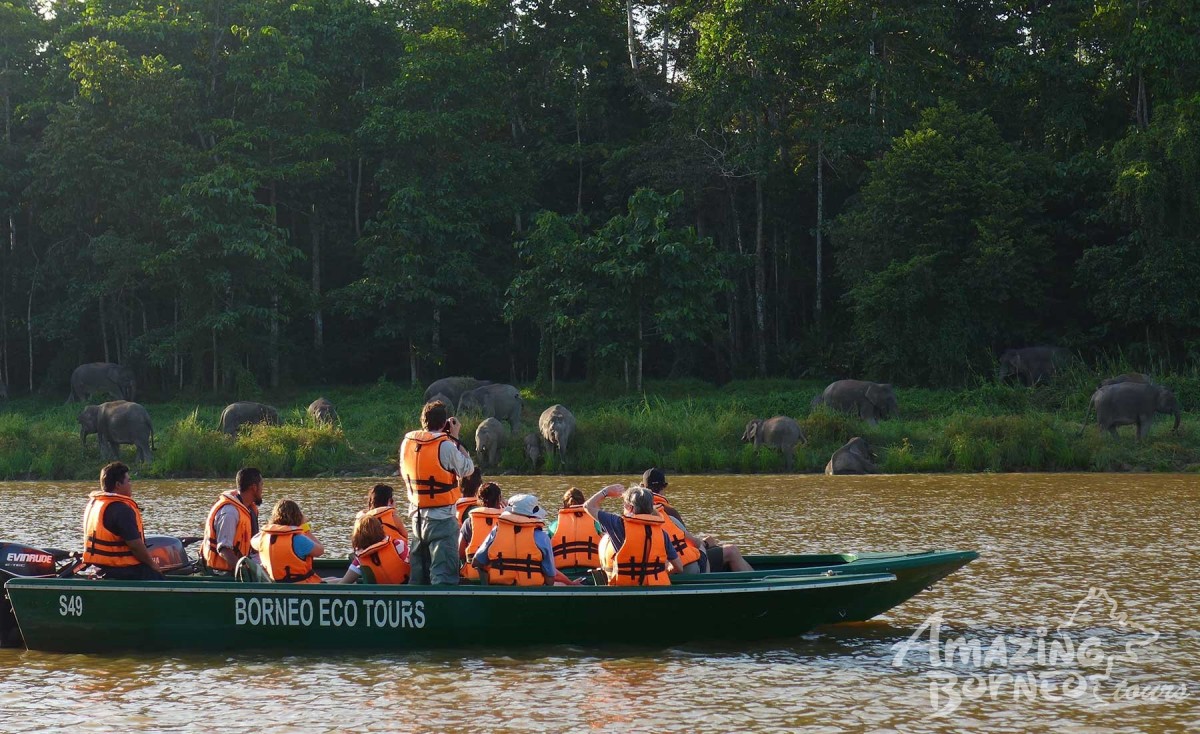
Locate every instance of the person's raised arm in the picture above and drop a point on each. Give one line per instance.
(592, 506)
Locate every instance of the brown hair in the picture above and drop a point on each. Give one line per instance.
(367, 532)
(471, 482)
(379, 496)
(489, 495)
(287, 512)
(113, 474)
(434, 416)
(573, 496)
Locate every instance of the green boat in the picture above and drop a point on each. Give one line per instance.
(199, 613)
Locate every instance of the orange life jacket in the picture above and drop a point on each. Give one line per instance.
(688, 551)
(429, 483)
(513, 557)
(393, 526)
(642, 558)
(385, 562)
(576, 543)
(279, 559)
(483, 519)
(100, 546)
(463, 506)
(241, 534)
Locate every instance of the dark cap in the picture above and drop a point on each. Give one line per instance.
(654, 478)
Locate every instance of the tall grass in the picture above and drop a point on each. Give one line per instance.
(683, 426)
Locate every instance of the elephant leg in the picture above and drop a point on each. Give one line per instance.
(1143, 429)
(1112, 431)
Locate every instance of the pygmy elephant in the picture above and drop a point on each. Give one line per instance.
(1032, 365)
(452, 388)
(115, 423)
(238, 414)
(1132, 403)
(489, 438)
(780, 432)
(97, 377)
(557, 426)
(533, 449)
(322, 412)
(855, 457)
(502, 402)
(871, 401)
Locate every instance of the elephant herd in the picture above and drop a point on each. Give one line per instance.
(500, 406)
(124, 422)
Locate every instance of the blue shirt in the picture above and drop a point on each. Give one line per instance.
(540, 539)
(614, 525)
(302, 546)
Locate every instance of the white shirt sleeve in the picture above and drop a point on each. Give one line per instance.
(455, 458)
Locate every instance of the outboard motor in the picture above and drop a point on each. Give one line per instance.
(168, 554)
(26, 562)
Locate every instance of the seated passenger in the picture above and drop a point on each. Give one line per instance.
(113, 538)
(699, 555)
(385, 559)
(517, 552)
(477, 524)
(381, 504)
(641, 554)
(573, 534)
(285, 548)
(470, 495)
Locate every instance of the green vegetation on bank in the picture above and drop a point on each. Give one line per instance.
(683, 425)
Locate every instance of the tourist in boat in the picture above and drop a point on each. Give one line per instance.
(517, 551)
(285, 546)
(470, 495)
(232, 522)
(381, 504)
(113, 538)
(384, 558)
(699, 555)
(432, 463)
(573, 534)
(650, 557)
(478, 523)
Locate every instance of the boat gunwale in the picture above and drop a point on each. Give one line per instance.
(765, 585)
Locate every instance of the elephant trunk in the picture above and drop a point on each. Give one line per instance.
(1178, 415)
(83, 434)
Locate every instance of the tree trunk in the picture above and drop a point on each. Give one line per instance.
(216, 375)
(29, 329)
(760, 279)
(666, 38)
(640, 353)
(412, 363)
(318, 315)
(103, 330)
(631, 35)
(552, 360)
(578, 152)
(274, 359)
(818, 309)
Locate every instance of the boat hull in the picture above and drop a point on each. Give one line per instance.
(73, 615)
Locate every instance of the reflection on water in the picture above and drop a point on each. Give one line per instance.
(1045, 541)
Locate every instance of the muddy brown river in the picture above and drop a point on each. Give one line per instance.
(1081, 615)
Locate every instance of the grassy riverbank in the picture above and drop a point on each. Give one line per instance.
(685, 426)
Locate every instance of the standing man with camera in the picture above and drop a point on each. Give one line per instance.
(432, 465)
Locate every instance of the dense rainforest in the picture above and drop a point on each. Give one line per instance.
(235, 195)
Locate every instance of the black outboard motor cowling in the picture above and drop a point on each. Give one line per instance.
(25, 561)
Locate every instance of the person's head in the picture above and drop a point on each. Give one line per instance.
(367, 532)
(655, 480)
(573, 497)
(114, 478)
(287, 512)
(434, 416)
(638, 501)
(472, 482)
(489, 495)
(526, 505)
(381, 495)
(250, 484)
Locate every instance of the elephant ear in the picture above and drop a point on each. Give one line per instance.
(877, 395)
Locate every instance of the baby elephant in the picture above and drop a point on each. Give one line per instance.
(853, 458)
(322, 412)
(489, 438)
(533, 449)
(780, 432)
(236, 415)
